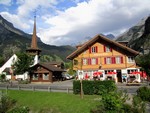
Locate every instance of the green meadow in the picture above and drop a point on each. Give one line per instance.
(52, 102)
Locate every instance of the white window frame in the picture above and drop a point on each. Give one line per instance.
(93, 61)
(93, 49)
(108, 60)
(45, 76)
(118, 60)
(108, 49)
(35, 76)
(85, 61)
(131, 59)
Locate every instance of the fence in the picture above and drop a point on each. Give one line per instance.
(38, 88)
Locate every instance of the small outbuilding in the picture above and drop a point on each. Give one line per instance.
(45, 73)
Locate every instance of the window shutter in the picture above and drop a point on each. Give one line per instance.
(113, 60)
(90, 50)
(90, 61)
(96, 49)
(121, 59)
(96, 60)
(110, 49)
(105, 60)
(104, 48)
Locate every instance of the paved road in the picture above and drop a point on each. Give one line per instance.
(66, 84)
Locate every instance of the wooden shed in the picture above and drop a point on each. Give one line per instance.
(45, 73)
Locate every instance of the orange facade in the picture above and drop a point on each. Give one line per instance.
(101, 54)
(118, 60)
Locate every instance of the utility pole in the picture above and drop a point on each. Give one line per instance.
(81, 88)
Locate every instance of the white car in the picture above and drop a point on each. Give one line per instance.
(66, 76)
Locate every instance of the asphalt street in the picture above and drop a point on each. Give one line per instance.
(62, 85)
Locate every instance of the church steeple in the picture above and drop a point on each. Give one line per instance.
(34, 50)
(34, 38)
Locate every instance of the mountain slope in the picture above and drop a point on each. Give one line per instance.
(13, 40)
(138, 36)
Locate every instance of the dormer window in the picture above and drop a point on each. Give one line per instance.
(93, 49)
(107, 49)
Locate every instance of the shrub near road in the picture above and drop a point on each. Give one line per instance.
(93, 87)
(144, 93)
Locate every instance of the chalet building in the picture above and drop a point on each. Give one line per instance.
(45, 73)
(103, 58)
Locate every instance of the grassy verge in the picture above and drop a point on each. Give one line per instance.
(46, 102)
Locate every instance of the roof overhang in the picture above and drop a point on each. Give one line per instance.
(100, 38)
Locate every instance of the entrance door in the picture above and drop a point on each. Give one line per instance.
(40, 77)
(119, 76)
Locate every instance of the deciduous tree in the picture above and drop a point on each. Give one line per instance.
(23, 63)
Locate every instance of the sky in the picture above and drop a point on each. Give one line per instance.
(69, 22)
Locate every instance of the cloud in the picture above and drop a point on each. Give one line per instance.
(17, 22)
(91, 18)
(5, 2)
(23, 16)
(28, 7)
(85, 18)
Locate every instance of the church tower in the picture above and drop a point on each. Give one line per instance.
(34, 50)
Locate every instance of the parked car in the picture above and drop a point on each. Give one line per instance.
(66, 76)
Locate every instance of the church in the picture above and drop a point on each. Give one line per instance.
(46, 72)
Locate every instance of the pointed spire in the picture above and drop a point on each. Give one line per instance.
(34, 50)
(34, 38)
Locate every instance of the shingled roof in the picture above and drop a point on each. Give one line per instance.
(49, 67)
(101, 38)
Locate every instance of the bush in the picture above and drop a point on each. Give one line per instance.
(114, 102)
(2, 77)
(93, 87)
(144, 93)
(6, 103)
(76, 87)
(23, 81)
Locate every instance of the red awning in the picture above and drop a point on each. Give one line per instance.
(135, 73)
(97, 73)
(112, 73)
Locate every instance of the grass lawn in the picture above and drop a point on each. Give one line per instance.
(52, 102)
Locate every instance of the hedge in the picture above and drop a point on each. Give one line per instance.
(93, 87)
(144, 93)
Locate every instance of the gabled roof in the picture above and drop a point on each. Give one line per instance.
(9, 62)
(53, 63)
(49, 67)
(101, 38)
